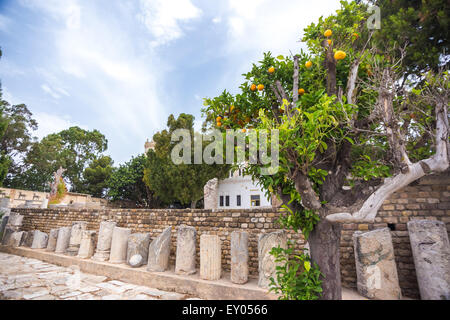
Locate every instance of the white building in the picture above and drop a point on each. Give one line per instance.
(235, 192)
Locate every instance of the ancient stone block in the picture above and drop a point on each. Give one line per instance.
(75, 237)
(40, 240)
(16, 239)
(15, 221)
(53, 236)
(210, 191)
(62, 242)
(239, 257)
(186, 251)
(137, 249)
(266, 266)
(104, 240)
(431, 251)
(7, 233)
(27, 239)
(375, 265)
(119, 244)
(3, 224)
(210, 257)
(87, 244)
(159, 251)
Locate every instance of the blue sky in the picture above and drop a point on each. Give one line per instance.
(123, 67)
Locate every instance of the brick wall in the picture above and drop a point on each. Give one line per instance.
(428, 198)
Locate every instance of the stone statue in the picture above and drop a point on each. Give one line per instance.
(57, 177)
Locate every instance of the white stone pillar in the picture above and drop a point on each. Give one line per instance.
(87, 244)
(62, 243)
(75, 237)
(375, 265)
(267, 265)
(159, 251)
(16, 239)
(210, 192)
(52, 238)
(431, 251)
(40, 240)
(137, 249)
(104, 241)
(239, 257)
(186, 250)
(210, 257)
(119, 244)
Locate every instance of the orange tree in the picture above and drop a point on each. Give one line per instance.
(347, 131)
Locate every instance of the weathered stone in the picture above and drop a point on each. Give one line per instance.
(104, 241)
(4, 202)
(15, 221)
(159, 251)
(40, 240)
(210, 192)
(87, 244)
(119, 244)
(431, 251)
(27, 239)
(62, 242)
(3, 224)
(267, 265)
(7, 233)
(239, 257)
(186, 251)
(16, 239)
(210, 257)
(375, 265)
(75, 237)
(53, 236)
(137, 249)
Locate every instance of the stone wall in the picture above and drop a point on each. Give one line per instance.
(219, 222)
(428, 198)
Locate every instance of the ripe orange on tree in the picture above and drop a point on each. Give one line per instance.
(260, 87)
(308, 64)
(328, 33)
(301, 91)
(253, 87)
(218, 119)
(329, 42)
(339, 55)
(271, 70)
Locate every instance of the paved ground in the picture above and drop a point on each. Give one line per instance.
(31, 279)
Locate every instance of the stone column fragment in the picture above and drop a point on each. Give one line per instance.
(87, 244)
(375, 265)
(16, 239)
(137, 249)
(62, 242)
(53, 236)
(27, 239)
(210, 257)
(75, 237)
(159, 251)
(186, 251)
(104, 241)
(40, 240)
(15, 221)
(239, 257)
(267, 265)
(119, 244)
(431, 251)
(7, 235)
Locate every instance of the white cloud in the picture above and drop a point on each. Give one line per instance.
(48, 90)
(4, 23)
(163, 18)
(217, 20)
(51, 123)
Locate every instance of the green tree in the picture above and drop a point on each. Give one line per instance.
(73, 149)
(126, 183)
(96, 175)
(4, 159)
(349, 129)
(181, 183)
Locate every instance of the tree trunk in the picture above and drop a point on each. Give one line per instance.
(324, 244)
